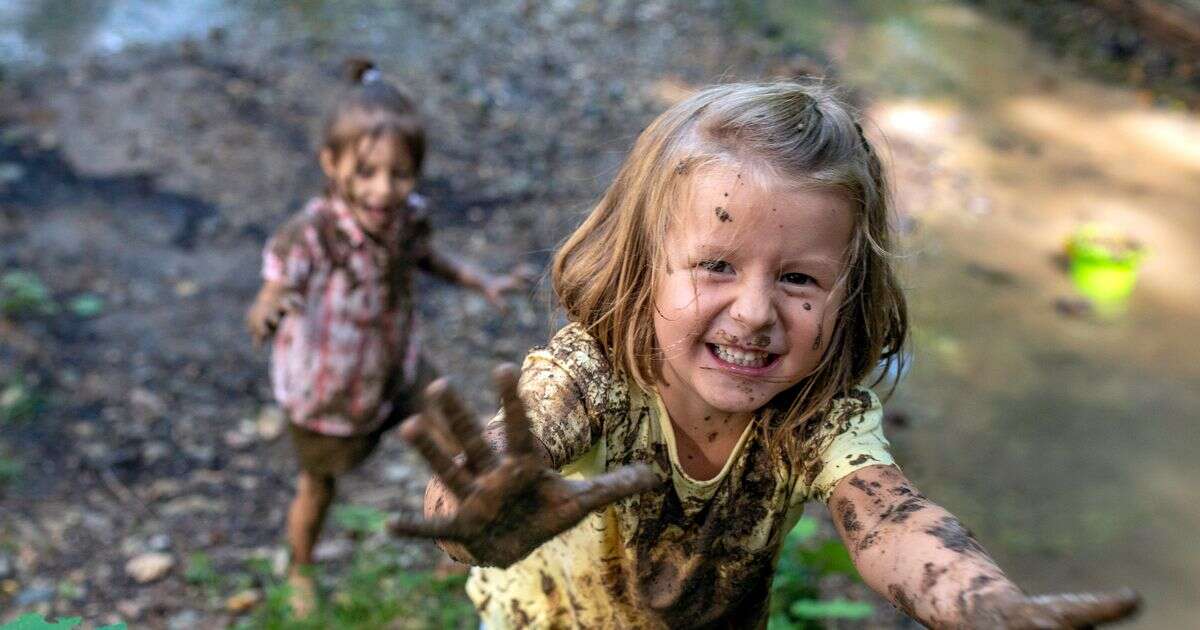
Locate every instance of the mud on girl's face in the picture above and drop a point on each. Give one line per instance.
(373, 175)
(746, 306)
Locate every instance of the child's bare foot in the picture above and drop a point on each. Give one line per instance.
(303, 597)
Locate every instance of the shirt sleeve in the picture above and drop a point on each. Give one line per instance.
(564, 388)
(858, 442)
(420, 228)
(288, 255)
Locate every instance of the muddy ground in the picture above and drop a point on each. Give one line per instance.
(151, 177)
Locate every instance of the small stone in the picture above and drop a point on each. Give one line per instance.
(333, 550)
(9, 587)
(130, 609)
(34, 595)
(147, 403)
(6, 566)
(186, 288)
(243, 601)
(148, 567)
(11, 173)
(159, 542)
(270, 422)
(237, 440)
(184, 620)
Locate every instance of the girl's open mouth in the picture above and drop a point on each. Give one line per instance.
(741, 360)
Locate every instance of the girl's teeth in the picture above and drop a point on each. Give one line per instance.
(741, 357)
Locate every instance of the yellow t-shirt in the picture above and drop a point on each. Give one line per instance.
(692, 553)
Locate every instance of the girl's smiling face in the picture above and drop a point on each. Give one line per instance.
(374, 176)
(746, 305)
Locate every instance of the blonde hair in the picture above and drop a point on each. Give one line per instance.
(605, 275)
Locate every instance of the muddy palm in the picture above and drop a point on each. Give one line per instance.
(509, 501)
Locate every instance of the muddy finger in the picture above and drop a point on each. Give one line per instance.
(462, 425)
(413, 527)
(516, 422)
(1079, 610)
(418, 432)
(613, 486)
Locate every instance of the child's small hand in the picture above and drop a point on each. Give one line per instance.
(1082, 610)
(494, 287)
(509, 501)
(272, 303)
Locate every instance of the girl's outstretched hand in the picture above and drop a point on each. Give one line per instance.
(1081, 610)
(509, 500)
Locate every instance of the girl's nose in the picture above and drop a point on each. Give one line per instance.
(753, 307)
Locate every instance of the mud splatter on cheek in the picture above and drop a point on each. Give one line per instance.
(807, 306)
(820, 334)
(760, 341)
(723, 214)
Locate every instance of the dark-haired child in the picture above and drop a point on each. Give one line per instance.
(346, 362)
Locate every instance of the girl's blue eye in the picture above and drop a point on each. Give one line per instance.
(714, 266)
(798, 279)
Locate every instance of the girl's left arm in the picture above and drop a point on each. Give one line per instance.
(929, 565)
(466, 275)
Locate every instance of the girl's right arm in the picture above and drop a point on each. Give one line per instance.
(500, 500)
(274, 299)
(288, 259)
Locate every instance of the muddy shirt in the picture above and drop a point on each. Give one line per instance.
(335, 363)
(690, 554)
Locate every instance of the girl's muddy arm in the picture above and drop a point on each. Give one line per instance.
(508, 501)
(467, 275)
(921, 558)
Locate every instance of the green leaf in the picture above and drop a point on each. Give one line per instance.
(831, 609)
(200, 569)
(32, 621)
(831, 557)
(360, 518)
(22, 293)
(87, 305)
(805, 528)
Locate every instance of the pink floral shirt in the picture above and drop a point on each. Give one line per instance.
(336, 364)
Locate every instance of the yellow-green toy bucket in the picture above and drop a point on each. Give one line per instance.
(1104, 266)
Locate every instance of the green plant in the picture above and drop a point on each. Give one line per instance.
(22, 293)
(10, 468)
(375, 592)
(200, 571)
(18, 400)
(795, 593)
(86, 305)
(359, 519)
(33, 621)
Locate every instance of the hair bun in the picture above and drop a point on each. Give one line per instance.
(359, 70)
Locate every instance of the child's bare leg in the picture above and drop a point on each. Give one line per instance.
(306, 515)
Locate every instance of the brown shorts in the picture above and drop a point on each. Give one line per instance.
(332, 455)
